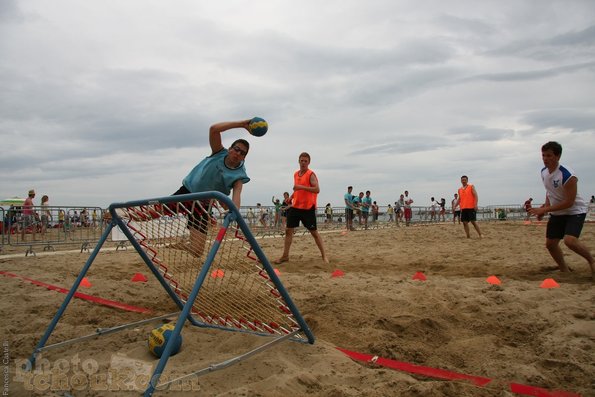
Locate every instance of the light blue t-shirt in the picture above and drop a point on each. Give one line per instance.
(356, 201)
(212, 174)
(368, 201)
(349, 199)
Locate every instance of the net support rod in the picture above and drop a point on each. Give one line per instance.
(77, 282)
(145, 258)
(186, 310)
(232, 361)
(271, 273)
(106, 331)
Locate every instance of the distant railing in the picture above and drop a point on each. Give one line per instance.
(52, 226)
(49, 226)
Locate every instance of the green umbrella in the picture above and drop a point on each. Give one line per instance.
(12, 201)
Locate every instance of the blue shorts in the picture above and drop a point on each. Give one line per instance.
(559, 226)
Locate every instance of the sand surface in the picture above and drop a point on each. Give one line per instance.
(515, 332)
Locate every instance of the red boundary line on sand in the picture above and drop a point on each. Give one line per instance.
(449, 375)
(80, 295)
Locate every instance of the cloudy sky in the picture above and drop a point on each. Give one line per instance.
(108, 101)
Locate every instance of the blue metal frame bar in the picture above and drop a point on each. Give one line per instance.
(185, 314)
(69, 296)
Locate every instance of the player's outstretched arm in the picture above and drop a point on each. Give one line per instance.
(216, 130)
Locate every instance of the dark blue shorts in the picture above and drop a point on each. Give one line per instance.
(559, 226)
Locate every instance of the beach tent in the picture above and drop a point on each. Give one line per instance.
(12, 201)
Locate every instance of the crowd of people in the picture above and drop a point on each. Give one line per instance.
(29, 219)
(360, 207)
(223, 170)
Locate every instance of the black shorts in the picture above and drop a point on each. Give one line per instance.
(457, 214)
(307, 217)
(468, 215)
(559, 226)
(197, 219)
(348, 214)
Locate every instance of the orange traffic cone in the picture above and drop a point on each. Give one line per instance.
(277, 272)
(85, 282)
(549, 283)
(493, 280)
(218, 273)
(337, 273)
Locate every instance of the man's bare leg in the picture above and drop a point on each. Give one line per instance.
(555, 251)
(286, 246)
(197, 242)
(577, 246)
(319, 243)
(476, 226)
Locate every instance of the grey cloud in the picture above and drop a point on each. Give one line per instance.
(10, 11)
(574, 44)
(534, 74)
(480, 133)
(585, 37)
(470, 26)
(400, 147)
(571, 119)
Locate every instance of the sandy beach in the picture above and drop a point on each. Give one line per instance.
(515, 332)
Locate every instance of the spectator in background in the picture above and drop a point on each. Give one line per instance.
(61, 217)
(357, 206)
(251, 216)
(262, 215)
(348, 198)
(374, 212)
(407, 201)
(433, 208)
(328, 211)
(399, 205)
(527, 207)
(442, 213)
(285, 207)
(46, 215)
(456, 209)
(277, 203)
(28, 215)
(366, 205)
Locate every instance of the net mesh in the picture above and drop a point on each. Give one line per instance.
(238, 293)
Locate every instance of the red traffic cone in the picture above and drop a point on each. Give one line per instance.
(419, 276)
(138, 277)
(493, 280)
(337, 273)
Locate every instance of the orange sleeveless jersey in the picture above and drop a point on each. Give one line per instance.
(466, 198)
(303, 199)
